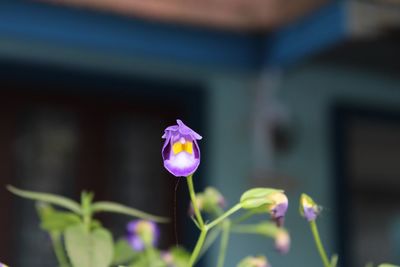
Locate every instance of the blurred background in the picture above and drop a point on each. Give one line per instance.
(297, 94)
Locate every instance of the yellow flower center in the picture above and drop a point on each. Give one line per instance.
(182, 146)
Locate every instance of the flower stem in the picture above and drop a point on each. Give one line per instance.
(194, 203)
(199, 218)
(224, 216)
(318, 243)
(224, 243)
(197, 248)
(58, 249)
(211, 237)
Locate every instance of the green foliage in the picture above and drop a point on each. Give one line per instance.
(387, 265)
(180, 257)
(89, 248)
(123, 253)
(60, 201)
(106, 206)
(52, 220)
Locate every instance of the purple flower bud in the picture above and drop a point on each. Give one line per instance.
(308, 208)
(282, 241)
(181, 153)
(279, 207)
(142, 234)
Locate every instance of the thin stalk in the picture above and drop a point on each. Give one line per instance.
(318, 243)
(198, 247)
(59, 250)
(193, 199)
(244, 217)
(224, 243)
(86, 200)
(211, 237)
(149, 254)
(252, 229)
(224, 216)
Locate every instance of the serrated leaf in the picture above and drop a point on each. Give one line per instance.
(106, 206)
(47, 198)
(89, 249)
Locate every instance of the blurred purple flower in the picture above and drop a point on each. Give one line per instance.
(181, 153)
(282, 241)
(142, 234)
(3, 265)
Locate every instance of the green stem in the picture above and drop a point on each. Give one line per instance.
(224, 216)
(197, 248)
(86, 200)
(58, 249)
(245, 217)
(253, 229)
(318, 243)
(224, 243)
(211, 237)
(194, 204)
(149, 254)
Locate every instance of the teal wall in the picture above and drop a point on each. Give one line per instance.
(309, 91)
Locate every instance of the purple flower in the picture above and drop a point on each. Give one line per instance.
(181, 153)
(142, 234)
(308, 208)
(3, 265)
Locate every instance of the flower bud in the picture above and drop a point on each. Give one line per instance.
(168, 258)
(259, 261)
(282, 241)
(210, 201)
(142, 234)
(308, 208)
(271, 200)
(278, 207)
(257, 198)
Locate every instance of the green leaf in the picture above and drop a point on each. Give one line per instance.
(257, 197)
(150, 258)
(387, 265)
(180, 256)
(89, 249)
(123, 252)
(52, 220)
(47, 198)
(106, 206)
